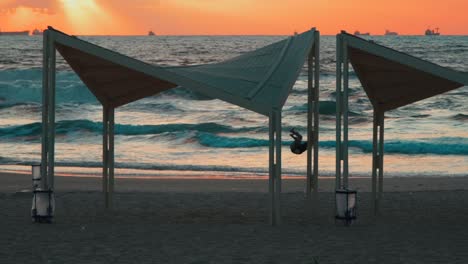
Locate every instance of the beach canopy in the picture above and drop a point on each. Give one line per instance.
(391, 79)
(259, 80)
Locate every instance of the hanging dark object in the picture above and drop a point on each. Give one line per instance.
(297, 146)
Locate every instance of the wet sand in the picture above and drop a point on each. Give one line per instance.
(423, 220)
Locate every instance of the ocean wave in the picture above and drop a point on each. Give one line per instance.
(328, 70)
(182, 92)
(162, 167)
(73, 126)
(151, 106)
(23, 74)
(215, 141)
(10, 105)
(22, 86)
(438, 146)
(325, 108)
(418, 147)
(421, 116)
(25, 85)
(460, 117)
(206, 134)
(252, 171)
(182, 167)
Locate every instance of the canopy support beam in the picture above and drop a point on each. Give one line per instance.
(48, 113)
(338, 113)
(377, 160)
(313, 119)
(275, 167)
(45, 109)
(111, 156)
(108, 155)
(342, 87)
(105, 152)
(48, 122)
(51, 119)
(345, 109)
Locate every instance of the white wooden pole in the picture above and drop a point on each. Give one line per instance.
(338, 111)
(375, 162)
(310, 120)
(271, 168)
(105, 153)
(381, 154)
(51, 110)
(316, 112)
(111, 156)
(45, 108)
(278, 168)
(344, 100)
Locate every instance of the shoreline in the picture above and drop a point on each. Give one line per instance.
(16, 182)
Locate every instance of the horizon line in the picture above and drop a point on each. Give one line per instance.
(227, 35)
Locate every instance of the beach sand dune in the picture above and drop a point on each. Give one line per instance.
(209, 226)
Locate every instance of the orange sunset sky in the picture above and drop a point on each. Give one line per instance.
(234, 17)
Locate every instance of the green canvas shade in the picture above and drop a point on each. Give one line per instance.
(260, 80)
(391, 79)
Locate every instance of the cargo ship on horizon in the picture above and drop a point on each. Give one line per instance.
(432, 32)
(390, 33)
(14, 33)
(37, 32)
(358, 33)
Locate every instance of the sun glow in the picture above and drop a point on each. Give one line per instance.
(210, 17)
(87, 16)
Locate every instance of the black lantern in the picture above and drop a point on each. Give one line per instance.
(346, 203)
(43, 202)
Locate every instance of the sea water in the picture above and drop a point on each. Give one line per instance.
(188, 133)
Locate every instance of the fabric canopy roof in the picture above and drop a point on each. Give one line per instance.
(392, 79)
(259, 80)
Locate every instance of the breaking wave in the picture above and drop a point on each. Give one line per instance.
(439, 146)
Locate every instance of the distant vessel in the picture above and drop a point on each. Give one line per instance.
(357, 33)
(37, 32)
(14, 33)
(390, 33)
(431, 32)
(151, 33)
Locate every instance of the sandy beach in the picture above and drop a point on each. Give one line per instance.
(225, 221)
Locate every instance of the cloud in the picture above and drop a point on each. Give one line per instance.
(39, 6)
